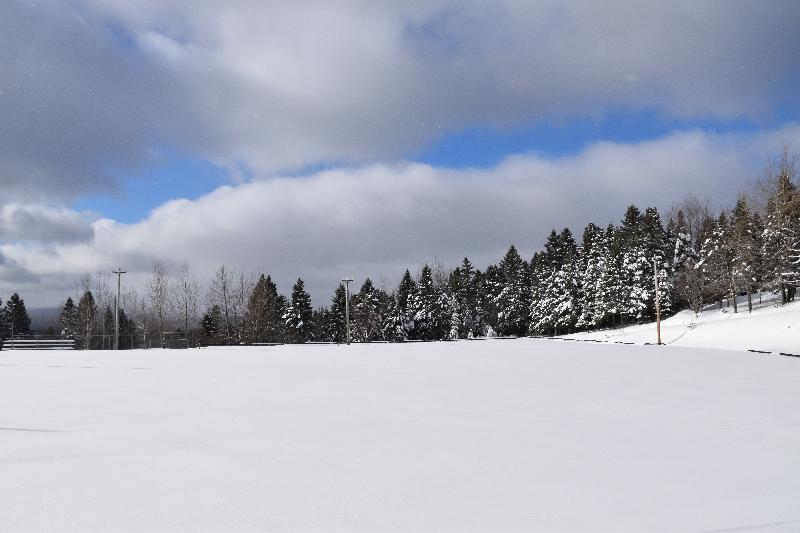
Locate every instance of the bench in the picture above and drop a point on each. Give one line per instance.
(39, 344)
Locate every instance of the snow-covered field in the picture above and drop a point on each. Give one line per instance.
(492, 435)
(769, 327)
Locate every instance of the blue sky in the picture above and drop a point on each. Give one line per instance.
(175, 175)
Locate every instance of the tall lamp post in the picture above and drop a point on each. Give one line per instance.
(346, 282)
(658, 302)
(119, 272)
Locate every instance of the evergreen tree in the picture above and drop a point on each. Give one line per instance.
(108, 328)
(717, 257)
(611, 292)
(87, 316)
(555, 309)
(16, 314)
(781, 236)
(467, 314)
(336, 325)
(513, 299)
(212, 324)
(127, 330)
(256, 314)
(745, 243)
(645, 240)
(69, 320)
(430, 307)
(401, 323)
(368, 313)
(264, 319)
(298, 316)
(491, 285)
(592, 267)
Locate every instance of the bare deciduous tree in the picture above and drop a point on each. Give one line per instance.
(159, 296)
(220, 292)
(186, 290)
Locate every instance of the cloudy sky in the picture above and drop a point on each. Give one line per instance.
(322, 139)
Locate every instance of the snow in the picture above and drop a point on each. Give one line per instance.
(770, 327)
(494, 435)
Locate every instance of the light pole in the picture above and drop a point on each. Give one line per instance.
(346, 282)
(658, 302)
(119, 272)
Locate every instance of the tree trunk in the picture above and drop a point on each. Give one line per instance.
(749, 299)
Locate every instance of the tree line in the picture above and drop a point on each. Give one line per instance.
(604, 278)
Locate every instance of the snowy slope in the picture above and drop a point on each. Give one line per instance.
(769, 327)
(496, 435)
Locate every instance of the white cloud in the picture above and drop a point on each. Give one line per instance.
(265, 86)
(30, 222)
(377, 220)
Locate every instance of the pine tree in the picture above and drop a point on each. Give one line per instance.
(87, 316)
(745, 249)
(554, 308)
(690, 286)
(611, 292)
(592, 267)
(16, 313)
(716, 259)
(513, 298)
(212, 323)
(781, 236)
(644, 240)
(256, 315)
(491, 285)
(69, 320)
(431, 319)
(298, 316)
(368, 313)
(402, 321)
(336, 325)
(467, 315)
(264, 316)
(108, 328)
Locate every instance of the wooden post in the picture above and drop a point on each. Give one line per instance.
(658, 302)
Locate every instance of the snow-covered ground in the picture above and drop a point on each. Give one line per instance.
(769, 327)
(495, 435)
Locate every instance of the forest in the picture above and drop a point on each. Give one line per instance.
(605, 277)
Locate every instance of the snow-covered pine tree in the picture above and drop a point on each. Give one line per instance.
(644, 239)
(336, 325)
(781, 236)
(745, 246)
(212, 324)
(402, 323)
(555, 309)
(69, 320)
(611, 292)
(715, 260)
(514, 299)
(591, 269)
(298, 316)
(465, 291)
(431, 317)
(564, 285)
(367, 314)
(490, 285)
